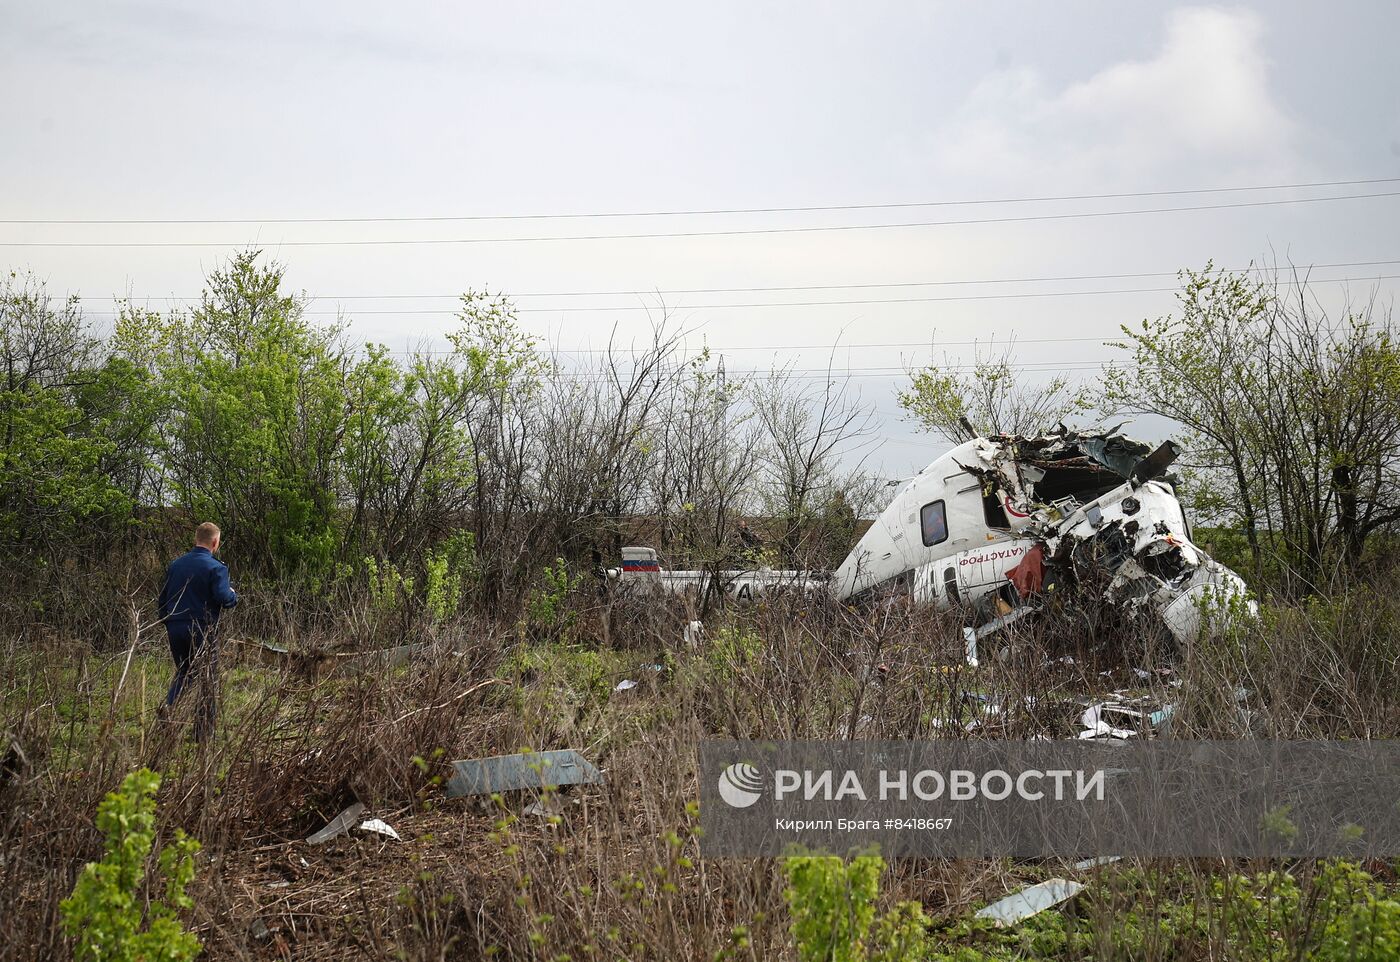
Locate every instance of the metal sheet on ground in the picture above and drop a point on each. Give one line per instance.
(509, 773)
(1030, 901)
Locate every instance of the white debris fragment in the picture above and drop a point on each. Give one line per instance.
(1095, 726)
(1030, 901)
(694, 634)
(970, 636)
(625, 685)
(1096, 861)
(1100, 715)
(380, 826)
(339, 825)
(861, 724)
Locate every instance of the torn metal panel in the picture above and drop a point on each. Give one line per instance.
(1030, 901)
(529, 770)
(273, 655)
(339, 825)
(1156, 464)
(1114, 451)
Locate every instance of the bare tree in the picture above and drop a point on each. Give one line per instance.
(813, 432)
(594, 449)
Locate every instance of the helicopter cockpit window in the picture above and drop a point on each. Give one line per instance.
(933, 522)
(992, 509)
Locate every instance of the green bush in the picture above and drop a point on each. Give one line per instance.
(732, 652)
(104, 913)
(833, 903)
(1328, 912)
(446, 570)
(388, 588)
(1339, 915)
(546, 608)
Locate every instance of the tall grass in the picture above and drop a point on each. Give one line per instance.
(610, 871)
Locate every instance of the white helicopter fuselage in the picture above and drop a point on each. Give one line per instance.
(937, 516)
(954, 532)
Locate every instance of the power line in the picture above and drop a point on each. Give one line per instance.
(690, 213)
(831, 303)
(988, 342)
(828, 287)
(775, 289)
(837, 373)
(736, 232)
(821, 303)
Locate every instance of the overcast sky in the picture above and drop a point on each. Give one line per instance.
(340, 110)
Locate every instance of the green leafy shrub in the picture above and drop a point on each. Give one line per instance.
(446, 569)
(1339, 914)
(833, 904)
(1328, 912)
(561, 689)
(105, 913)
(546, 608)
(388, 588)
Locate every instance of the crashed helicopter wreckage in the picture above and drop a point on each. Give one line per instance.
(999, 525)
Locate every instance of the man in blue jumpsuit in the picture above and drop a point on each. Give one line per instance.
(194, 593)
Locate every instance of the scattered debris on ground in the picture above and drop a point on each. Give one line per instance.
(1125, 716)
